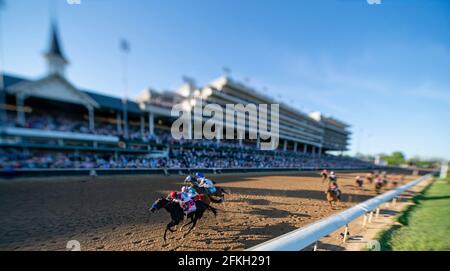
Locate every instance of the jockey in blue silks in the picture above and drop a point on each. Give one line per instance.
(205, 183)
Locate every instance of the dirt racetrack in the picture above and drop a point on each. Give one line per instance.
(111, 213)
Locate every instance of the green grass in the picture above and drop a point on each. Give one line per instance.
(423, 226)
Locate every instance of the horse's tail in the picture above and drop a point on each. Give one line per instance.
(224, 191)
(206, 206)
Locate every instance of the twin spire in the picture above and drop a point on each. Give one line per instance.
(56, 61)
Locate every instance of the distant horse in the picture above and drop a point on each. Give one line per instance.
(332, 197)
(360, 182)
(177, 213)
(378, 186)
(369, 178)
(324, 175)
(395, 183)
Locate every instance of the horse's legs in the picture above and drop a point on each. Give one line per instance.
(192, 221)
(169, 228)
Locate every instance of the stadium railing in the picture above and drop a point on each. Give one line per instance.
(304, 237)
(47, 172)
(37, 133)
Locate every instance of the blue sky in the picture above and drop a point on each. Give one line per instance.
(385, 69)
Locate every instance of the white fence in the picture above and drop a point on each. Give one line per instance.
(304, 237)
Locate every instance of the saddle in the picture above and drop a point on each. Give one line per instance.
(189, 206)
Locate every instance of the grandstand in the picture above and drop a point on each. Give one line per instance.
(51, 123)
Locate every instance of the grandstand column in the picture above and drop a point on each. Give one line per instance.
(285, 145)
(125, 118)
(258, 141)
(305, 148)
(20, 100)
(142, 127)
(313, 151)
(295, 146)
(320, 151)
(119, 123)
(91, 119)
(151, 123)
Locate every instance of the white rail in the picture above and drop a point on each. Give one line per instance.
(38, 133)
(303, 237)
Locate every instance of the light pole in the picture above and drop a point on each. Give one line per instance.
(125, 49)
(2, 82)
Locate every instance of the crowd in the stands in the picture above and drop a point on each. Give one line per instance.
(66, 123)
(181, 154)
(16, 159)
(11, 159)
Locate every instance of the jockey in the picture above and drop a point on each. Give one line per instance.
(335, 189)
(206, 183)
(333, 177)
(185, 201)
(359, 179)
(379, 180)
(324, 174)
(189, 191)
(199, 175)
(189, 179)
(369, 177)
(194, 179)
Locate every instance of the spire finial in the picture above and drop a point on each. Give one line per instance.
(55, 46)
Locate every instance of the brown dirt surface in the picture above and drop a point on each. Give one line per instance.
(112, 212)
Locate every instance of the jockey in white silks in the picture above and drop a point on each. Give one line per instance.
(332, 177)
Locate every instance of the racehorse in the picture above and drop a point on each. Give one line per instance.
(385, 181)
(332, 197)
(324, 175)
(177, 213)
(378, 186)
(369, 178)
(360, 182)
(395, 183)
